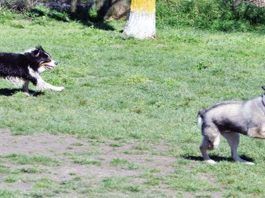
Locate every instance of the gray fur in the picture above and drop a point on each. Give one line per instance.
(229, 119)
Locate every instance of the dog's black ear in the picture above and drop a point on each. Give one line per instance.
(39, 47)
(36, 52)
(263, 87)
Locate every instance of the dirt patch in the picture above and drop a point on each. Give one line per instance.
(64, 159)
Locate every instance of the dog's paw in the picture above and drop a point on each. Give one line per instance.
(245, 162)
(59, 89)
(210, 161)
(26, 93)
(249, 163)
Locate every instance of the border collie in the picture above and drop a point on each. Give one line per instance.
(27, 67)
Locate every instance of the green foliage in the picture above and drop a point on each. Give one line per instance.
(5, 15)
(16, 5)
(7, 194)
(41, 11)
(210, 14)
(204, 14)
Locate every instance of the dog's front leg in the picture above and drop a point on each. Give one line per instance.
(52, 87)
(233, 141)
(42, 85)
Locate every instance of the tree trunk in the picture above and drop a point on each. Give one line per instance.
(73, 6)
(28, 4)
(103, 6)
(141, 23)
(235, 4)
(258, 3)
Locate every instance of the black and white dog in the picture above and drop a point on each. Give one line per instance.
(27, 67)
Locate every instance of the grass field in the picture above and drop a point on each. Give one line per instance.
(125, 125)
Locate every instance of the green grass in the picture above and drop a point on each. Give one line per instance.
(123, 163)
(119, 183)
(143, 91)
(24, 159)
(86, 161)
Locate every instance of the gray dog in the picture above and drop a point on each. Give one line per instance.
(229, 119)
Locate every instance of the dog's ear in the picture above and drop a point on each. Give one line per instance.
(39, 47)
(35, 52)
(263, 87)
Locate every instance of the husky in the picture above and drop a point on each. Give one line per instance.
(230, 119)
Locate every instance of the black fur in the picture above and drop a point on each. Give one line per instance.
(226, 124)
(16, 65)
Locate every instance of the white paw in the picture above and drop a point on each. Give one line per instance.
(249, 163)
(210, 161)
(26, 93)
(59, 89)
(244, 162)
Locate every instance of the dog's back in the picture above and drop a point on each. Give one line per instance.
(214, 114)
(12, 64)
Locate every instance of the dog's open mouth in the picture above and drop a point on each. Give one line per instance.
(49, 65)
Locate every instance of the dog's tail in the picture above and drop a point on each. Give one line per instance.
(200, 117)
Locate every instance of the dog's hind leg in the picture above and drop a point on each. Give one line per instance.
(233, 141)
(203, 148)
(25, 87)
(210, 141)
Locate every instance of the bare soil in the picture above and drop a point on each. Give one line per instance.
(72, 154)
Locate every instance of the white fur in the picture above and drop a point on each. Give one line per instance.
(49, 65)
(216, 142)
(18, 82)
(199, 122)
(29, 50)
(210, 161)
(41, 69)
(52, 63)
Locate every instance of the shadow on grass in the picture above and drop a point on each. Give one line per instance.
(62, 13)
(98, 25)
(11, 92)
(216, 158)
(82, 14)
